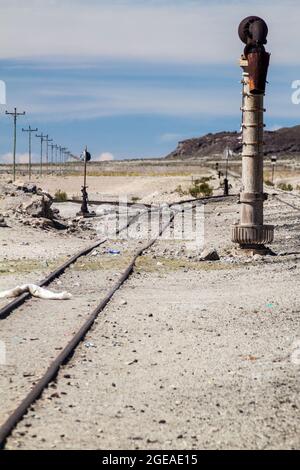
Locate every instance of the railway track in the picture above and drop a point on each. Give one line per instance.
(78, 335)
(287, 203)
(11, 306)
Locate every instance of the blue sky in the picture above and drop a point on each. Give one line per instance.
(130, 78)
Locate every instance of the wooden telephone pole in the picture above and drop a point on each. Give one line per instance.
(62, 158)
(15, 115)
(30, 131)
(42, 137)
(47, 140)
(52, 157)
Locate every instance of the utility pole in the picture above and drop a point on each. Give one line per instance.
(30, 131)
(251, 233)
(56, 155)
(47, 140)
(15, 115)
(68, 154)
(62, 158)
(52, 157)
(42, 137)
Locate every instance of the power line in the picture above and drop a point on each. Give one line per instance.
(42, 137)
(47, 140)
(62, 158)
(52, 157)
(56, 155)
(15, 115)
(29, 130)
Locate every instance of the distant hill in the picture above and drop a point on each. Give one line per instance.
(283, 142)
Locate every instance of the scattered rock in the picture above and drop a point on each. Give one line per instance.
(2, 222)
(39, 206)
(210, 255)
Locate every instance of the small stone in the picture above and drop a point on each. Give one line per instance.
(209, 255)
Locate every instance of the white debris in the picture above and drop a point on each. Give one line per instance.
(35, 291)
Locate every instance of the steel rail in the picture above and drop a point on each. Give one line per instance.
(139, 204)
(63, 357)
(287, 203)
(11, 306)
(14, 304)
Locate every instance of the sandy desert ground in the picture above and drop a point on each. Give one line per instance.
(188, 354)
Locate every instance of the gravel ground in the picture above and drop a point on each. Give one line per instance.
(188, 354)
(38, 330)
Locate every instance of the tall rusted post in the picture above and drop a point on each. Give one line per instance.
(84, 207)
(251, 233)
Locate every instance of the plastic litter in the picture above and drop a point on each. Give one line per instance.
(35, 291)
(114, 252)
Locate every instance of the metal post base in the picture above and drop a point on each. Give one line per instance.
(84, 207)
(249, 236)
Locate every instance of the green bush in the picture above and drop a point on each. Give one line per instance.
(269, 183)
(200, 189)
(285, 187)
(61, 196)
(204, 179)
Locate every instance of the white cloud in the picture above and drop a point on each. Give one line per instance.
(104, 157)
(20, 158)
(102, 100)
(74, 100)
(195, 32)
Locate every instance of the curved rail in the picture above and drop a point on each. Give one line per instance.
(286, 203)
(11, 306)
(50, 374)
(63, 357)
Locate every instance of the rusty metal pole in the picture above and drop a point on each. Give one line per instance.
(84, 207)
(251, 233)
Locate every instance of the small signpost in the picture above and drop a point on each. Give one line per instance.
(84, 207)
(227, 153)
(273, 161)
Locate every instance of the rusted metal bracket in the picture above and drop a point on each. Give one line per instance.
(249, 198)
(259, 126)
(253, 110)
(253, 32)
